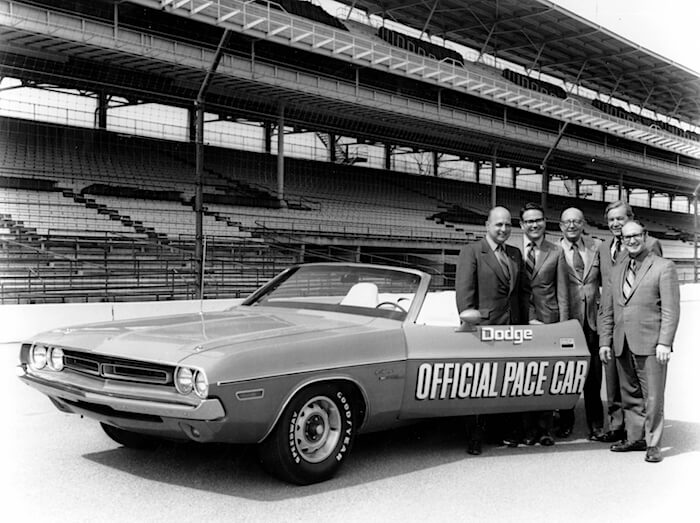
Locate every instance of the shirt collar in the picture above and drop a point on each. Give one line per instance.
(491, 243)
(567, 244)
(538, 243)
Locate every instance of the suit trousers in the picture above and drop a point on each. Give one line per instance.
(642, 383)
(616, 420)
(591, 388)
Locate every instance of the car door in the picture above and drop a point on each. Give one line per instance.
(492, 368)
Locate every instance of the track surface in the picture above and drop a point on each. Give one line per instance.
(58, 467)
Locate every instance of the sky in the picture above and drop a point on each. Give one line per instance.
(667, 27)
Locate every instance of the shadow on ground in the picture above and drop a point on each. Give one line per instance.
(234, 469)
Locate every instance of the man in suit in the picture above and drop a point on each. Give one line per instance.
(541, 270)
(489, 279)
(613, 252)
(639, 318)
(579, 297)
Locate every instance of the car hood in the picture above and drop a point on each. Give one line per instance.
(170, 339)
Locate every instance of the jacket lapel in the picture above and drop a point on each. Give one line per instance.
(545, 250)
(492, 261)
(641, 272)
(590, 258)
(572, 271)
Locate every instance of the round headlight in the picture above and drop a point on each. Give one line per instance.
(37, 357)
(55, 358)
(184, 380)
(201, 385)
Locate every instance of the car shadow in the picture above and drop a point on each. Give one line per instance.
(234, 470)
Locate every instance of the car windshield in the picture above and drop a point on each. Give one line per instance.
(358, 289)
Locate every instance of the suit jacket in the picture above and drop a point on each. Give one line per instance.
(650, 314)
(481, 284)
(544, 305)
(579, 298)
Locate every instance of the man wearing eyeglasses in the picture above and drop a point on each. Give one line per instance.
(639, 319)
(490, 279)
(578, 298)
(613, 252)
(542, 270)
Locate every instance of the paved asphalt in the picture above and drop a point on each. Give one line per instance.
(59, 467)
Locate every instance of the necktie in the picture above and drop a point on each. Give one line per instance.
(615, 250)
(530, 258)
(578, 260)
(629, 279)
(503, 259)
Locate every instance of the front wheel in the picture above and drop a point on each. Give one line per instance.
(132, 440)
(313, 436)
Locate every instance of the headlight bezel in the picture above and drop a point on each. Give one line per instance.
(51, 357)
(35, 362)
(184, 380)
(189, 380)
(201, 384)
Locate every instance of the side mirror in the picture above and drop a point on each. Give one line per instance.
(469, 319)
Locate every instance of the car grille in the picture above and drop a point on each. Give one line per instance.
(118, 369)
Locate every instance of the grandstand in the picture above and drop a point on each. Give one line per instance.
(382, 132)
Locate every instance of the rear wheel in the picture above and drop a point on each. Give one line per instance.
(313, 436)
(132, 440)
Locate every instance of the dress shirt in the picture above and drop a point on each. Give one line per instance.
(581, 244)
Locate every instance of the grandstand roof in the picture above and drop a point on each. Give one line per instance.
(542, 36)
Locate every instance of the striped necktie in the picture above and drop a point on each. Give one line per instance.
(629, 279)
(530, 258)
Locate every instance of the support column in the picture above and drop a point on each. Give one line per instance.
(267, 136)
(332, 140)
(436, 164)
(545, 187)
(387, 156)
(671, 198)
(620, 186)
(477, 168)
(191, 124)
(650, 193)
(577, 188)
(493, 181)
(102, 106)
(280, 158)
(514, 176)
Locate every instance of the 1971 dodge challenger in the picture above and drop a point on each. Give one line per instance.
(317, 355)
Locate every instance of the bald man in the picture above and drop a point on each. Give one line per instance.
(490, 278)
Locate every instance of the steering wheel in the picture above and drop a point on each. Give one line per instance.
(395, 305)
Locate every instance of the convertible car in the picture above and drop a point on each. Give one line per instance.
(317, 355)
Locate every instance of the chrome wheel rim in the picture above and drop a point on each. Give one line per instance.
(317, 429)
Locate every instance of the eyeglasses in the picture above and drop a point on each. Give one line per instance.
(567, 223)
(530, 223)
(629, 237)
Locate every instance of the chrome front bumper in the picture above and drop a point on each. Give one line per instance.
(162, 404)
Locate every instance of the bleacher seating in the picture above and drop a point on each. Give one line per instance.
(79, 207)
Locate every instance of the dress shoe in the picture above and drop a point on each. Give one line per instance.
(546, 440)
(596, 435)
(610, 436)
(627, 446)
(474, 447)
(510, 442)
(530, 440)
(653, 455)
(564, 432)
